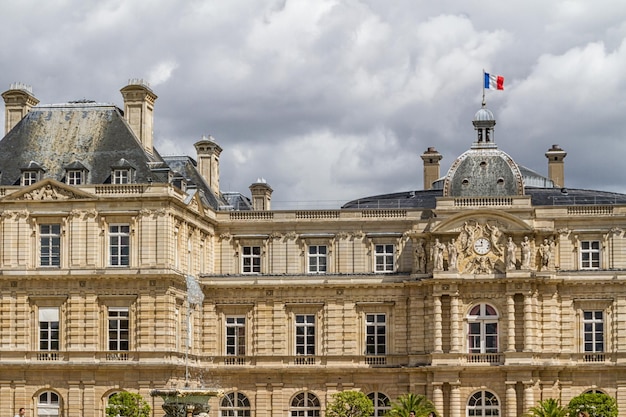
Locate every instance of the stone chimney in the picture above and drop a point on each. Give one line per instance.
(18, 100)
(139, 111)
(431, 160)
(556, 167)
(208, 152)
(261, 195)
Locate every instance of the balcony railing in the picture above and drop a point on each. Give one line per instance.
(490, 358)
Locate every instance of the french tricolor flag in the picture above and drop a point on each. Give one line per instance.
(494, 82)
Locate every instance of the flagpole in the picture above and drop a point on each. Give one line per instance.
(484, 103)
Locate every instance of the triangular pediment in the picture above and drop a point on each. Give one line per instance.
(49, 190)
(194, 202)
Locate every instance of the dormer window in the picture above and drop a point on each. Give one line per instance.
(75, 173)
(74, 177)
(29, 177)
(120, 176)
(122, 172)
(31, 173)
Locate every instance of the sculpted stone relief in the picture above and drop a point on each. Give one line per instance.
(483, 247)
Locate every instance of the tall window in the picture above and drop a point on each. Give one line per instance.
(48, 328)
(305, 404)
(48, 404)
(384, 258)
(236, 336)
(381, 402)
(74, 177)
(593, 331)
(119, 326)
(317, 259)
(235, 404)
(483, 329)
(50, 245)
(375, 334)
(590, 254)
(305, 334)
(251, 259)
(483, 403)
(120, 176)
(119, 245)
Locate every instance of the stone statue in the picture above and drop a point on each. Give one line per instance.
(437, 255)
(452, 255)
(511, 247)
(525, 253)
(545, 250)
(420, 257)
(494, 237)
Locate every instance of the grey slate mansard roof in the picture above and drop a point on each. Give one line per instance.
(92, 135)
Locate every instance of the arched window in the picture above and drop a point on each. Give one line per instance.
(305, 404)
(483, 403)
(381, 402)
(235, 404)
(48, 404)
(482, 329)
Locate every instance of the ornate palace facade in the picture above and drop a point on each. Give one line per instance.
(489, 290)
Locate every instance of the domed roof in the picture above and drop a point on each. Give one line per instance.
(483, 172)
(484, 115)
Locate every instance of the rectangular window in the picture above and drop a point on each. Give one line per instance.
(590, 254)
(118, 329)
(305, 334)
(29, 177)
(50, 245)
(251, 259)
(120, 176)
(119, 245)
(593, 331)
(317, 259)
(48, 328)
(384, 258)
(376, 334)
(236, 336)
(74, 177)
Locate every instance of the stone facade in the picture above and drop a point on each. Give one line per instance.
(483, 302)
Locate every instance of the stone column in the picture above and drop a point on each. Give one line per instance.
(455, 324)
(529, 395)
(511, 399)
(437, 333)
(528, 323)
(510, 304)
(438, 397)
(455, 399)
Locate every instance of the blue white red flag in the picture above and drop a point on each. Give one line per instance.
(494, 82)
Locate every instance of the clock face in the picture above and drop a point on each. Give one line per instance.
(482, 246)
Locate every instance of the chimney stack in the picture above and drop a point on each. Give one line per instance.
(431, 160)
(208, 152)
(556, 168)
(18, 101)
(139, 111)
(261, 195)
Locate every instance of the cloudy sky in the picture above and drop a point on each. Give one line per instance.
(332, 100)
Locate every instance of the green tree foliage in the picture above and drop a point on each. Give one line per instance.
(350, 404)
(126, 404)
(595, 404)
(547, 408)
(411, 402)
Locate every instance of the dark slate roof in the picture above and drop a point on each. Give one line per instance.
(237, 201)
(90, 136)
(56, 136)
(426, 199)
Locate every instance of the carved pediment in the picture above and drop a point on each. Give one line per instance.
(49, 190)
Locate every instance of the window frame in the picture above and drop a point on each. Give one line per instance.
(251, 262)
(53, 402)
(122, 259)
(75, 177)
(589, 252)
(29, 177)
(53, 338)
(240, 340)
(373, 334)
(316, 267)
(591, 323)
(235, 404)
(305, 404)
(121, 176)
(53, 248)
(381, 402)
(119, 319)
(308, 340)
(483, 406)
(485, 335)
(384, 258)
